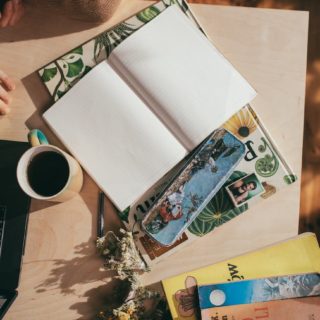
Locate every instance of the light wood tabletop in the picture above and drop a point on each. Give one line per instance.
(62, 275)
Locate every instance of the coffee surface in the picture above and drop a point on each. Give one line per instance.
(48, 173)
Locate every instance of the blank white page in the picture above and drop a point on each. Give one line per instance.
(117, 139)
(182, 77)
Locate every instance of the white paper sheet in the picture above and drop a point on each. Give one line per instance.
(181, 76)
(116, 138)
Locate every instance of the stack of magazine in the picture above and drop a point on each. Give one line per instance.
(278, 282)
(261, 170)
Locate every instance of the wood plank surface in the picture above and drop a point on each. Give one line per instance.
(62, 276)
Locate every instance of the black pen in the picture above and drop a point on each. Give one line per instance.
(100, 228)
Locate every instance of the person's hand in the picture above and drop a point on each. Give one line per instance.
(6, 85)
(11, 13)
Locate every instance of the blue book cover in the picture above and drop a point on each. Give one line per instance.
(193, 187)
(259, 290)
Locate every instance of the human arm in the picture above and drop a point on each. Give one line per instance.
(6, 85)
(11, 13)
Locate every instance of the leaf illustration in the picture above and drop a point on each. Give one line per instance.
(107, 41)
(148, 14)
(75, 68)
(201, 228)
(218, 211)
(227, 216)
(290, 178)
(86, 70)
(78, 50)
(268, 165)
(60, 93)
(170, 2)
(49, 74)
(102, 42)
(124, 215)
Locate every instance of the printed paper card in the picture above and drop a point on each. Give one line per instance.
(257, 290)
(189, 192)
(260, 174)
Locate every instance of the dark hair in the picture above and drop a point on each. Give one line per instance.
(254, 184)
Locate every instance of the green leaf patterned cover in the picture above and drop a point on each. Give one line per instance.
(262, 157)
(60, 75)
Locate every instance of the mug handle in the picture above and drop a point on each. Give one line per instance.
(36, 137)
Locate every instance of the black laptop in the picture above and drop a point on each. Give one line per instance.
(14, 208)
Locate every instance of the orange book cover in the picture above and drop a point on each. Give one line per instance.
(294, 256)
(291, 309)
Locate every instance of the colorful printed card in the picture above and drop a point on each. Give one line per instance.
(214, 296)
(194, 186)
(291, 309)
(262, 169)
(297, 255)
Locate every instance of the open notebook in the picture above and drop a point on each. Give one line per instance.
(137, 114)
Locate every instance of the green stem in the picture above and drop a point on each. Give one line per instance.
(62, 78)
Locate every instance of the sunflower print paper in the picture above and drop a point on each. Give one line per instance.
(242, 124)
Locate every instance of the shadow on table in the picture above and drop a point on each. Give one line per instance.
(43, 21)
(101, 298)
(311, 223)
(42, 101)
(86, 268)
(67, 275)
(97, 300)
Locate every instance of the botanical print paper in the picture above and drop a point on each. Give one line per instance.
(261, 158)
(60, 75)
(218, 295)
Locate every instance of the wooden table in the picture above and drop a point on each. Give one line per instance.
(62, 276)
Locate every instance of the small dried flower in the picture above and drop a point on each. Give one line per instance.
(122, 256)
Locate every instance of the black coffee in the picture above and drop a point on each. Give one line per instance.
(48, 173)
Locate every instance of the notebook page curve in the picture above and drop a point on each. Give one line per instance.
(181, 76)
(114, 136)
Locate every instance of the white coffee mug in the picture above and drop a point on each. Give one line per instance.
(73, 176)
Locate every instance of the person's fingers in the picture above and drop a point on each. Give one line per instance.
(6, 81)
(14, 13)
(4, 96)
(17, 12)
(6, 13)
(4, 108)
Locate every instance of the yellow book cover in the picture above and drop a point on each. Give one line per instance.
(300, 254)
